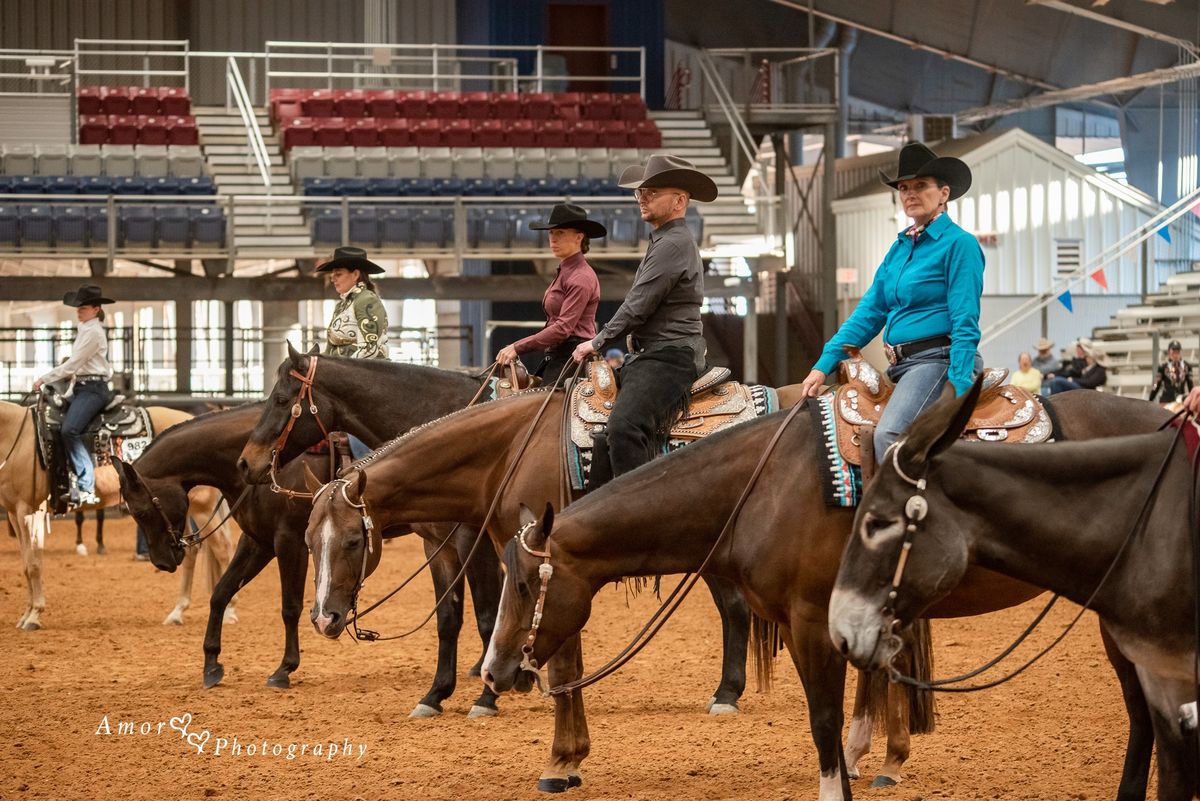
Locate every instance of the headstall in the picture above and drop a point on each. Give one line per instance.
(306, 392)
(545, 571)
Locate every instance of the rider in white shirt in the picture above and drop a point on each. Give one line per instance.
(90, 371)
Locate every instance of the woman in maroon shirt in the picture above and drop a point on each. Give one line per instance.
(571, 299)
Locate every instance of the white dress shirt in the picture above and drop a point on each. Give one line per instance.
(89, 355)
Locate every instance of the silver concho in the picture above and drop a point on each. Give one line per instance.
(992, 434)
(608, 404)
(916, 508)
(1039, 431)
(850, 413)
(587, 390)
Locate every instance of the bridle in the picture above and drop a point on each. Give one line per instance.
(368, 525)
(191, 539)
(545, 571)
(306, 391)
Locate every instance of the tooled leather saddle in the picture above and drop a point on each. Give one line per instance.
(1004, 413)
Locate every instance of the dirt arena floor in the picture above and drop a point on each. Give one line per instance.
(104, 658)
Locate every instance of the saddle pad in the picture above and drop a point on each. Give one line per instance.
(841, 481)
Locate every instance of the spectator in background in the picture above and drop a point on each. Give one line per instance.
(1027, 376)
(1085, 371)
(1174, 379)
(615, 358)
(1044, 361)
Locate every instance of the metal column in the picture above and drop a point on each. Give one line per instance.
(183, 347)
(829, 235)
(750, 334)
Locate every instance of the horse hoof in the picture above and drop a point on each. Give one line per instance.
(81, 549)
(280, 682)
(554, 785)
(213, 677)
(230, 616)
(853, 773)
(722, 709)
(478, 711)
(30, 625)
(174, 619)
(424, 711)
(574, 780)
(709, 705)
(101, 550)
(884, 781)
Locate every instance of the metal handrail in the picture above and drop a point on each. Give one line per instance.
(741, 132)
(258, 147)
(1112, 253)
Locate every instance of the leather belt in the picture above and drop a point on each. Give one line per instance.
(79, 379)
(898, 353)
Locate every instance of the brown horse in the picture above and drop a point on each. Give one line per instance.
(784, 551)
(952, 508)
(24, 485)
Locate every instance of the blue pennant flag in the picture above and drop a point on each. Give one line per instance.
(1165, 233)
(1065, 299)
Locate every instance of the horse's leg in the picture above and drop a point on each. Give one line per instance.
(248, 561)
(80, 548)
(31, 559)
(823, 674)
(218, 551)
(485, 580)
(735, 634)
(862, 721)
(1141, 728)
(898, 739)
(293, 570)
(1176, 759)
(100, 549)
(571, 742)
(187, 572)
(444, 569)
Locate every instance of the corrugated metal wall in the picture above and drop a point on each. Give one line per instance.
(55, 24)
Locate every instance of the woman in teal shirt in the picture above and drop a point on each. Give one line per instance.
(925, 297)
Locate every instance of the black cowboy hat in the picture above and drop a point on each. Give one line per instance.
(670, 172)
(1174, 345)
(86, 295)
(568, 215)
(918, 161)
(350, 258)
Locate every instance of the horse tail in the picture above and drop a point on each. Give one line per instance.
(765, 644)
(922, 709)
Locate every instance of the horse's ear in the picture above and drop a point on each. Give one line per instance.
(361, 483)
(311, 482)
(315, 350)
(548, 519)
(131, 483)
(938, 429)
(293, 354)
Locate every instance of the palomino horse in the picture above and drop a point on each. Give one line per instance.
(784, 551)
(24, 484)
(366, 396)
(205, 451)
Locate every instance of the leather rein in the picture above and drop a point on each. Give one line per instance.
(304, 394)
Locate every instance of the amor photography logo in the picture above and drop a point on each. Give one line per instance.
(203, 742)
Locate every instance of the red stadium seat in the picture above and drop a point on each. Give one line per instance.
(630, 107)
(445, 105)
(298, 132)
(613, 134)
(491, 133)
(173, 101)
(114, 100)
(286, 109)
(566, 105)
(413, 105)
(152, 130)
(331, 131)
(318, 103)
(552, 133)
(350, 103)
(539, 105)
(181, 130)
(93, 129)
(458, 133)
(506, 106)
(645, 135)
(598, 106)
(394, 132)
(88, 101)
(122, 129)
(363, 133)
(381, 103)
(583, 133)
(426, 133)
(522, 133)
(477, 105)
(143, 102)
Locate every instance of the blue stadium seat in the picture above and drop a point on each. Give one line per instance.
(136, 225)
(420, 187)
(480, 187)
(608, 187)
(97, 221)
(130, 185)
(327, 225)
(695, 223)
(512, 186)
(522, 236)
(70, 225)
(174, 226)
(385, 187)
(625, 229)
(396, 226)
(321, 187)
(208, 225)
(6, 182)
(29, 185)
(349, 187)
(433, 227)
(164, 185)
(10, 226)
(447, 187)
(488, 228)
(199, 185)
(364, 226)
(62, 185)
(96, 185)
(37, 226)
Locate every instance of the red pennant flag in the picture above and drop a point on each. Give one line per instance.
(1100, 278)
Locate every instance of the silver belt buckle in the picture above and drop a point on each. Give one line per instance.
(893, 355)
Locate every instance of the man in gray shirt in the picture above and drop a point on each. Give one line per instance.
(661, 314)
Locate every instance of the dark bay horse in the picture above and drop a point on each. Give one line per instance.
(361, 396)
(204, 452)
(784, 552)
(976, 507)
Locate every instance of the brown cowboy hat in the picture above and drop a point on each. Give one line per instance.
(1044, 344)
(568, 215)
(670, 172)
(86, 295)
(350, 258)
(918, 161)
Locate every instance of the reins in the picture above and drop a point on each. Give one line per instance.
(306, 391)
(915, 510)
(673, 601)
(191, 539)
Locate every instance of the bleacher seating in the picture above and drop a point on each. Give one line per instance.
(148, 161)
(46, 226)
(170, 101)
(132, 115)
(105, 185)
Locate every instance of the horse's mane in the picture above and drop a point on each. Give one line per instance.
(389, 366)
(389, 446)
(172, 431)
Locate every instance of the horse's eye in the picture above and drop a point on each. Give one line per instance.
(280, 400)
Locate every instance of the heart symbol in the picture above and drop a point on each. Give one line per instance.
(198, 739)
(181, 723)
